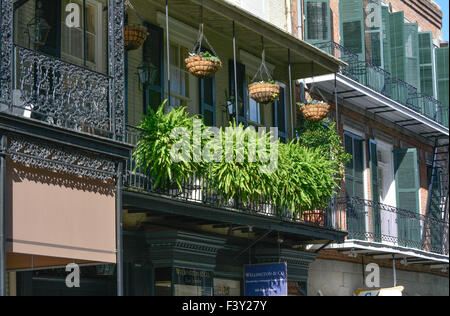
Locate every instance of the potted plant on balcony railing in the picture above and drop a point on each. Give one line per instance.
(314, 110)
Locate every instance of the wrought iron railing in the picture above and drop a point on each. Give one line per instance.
(197, 190)
(380, 223)
(382, 82)
(37, 86)
(61, 93)
(374, 78)
(343, 54)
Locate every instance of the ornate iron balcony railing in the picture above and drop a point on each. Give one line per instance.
(195, 190)
(61, 93)
(381, 81)
(380, 223)
(37, 86)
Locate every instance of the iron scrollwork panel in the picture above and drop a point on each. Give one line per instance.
(6, 51)
(61, 159)
(62, 94)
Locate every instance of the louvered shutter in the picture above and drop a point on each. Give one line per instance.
(352, 26)
(397, 41)
(242, 90)
(412, 68)
(426, 63)
(208, 101)
(153, 56)
(318, 21)
(354, 186)
(386, 39)
(442, 72)
(373, 35)
(375, 188)
(407, 182)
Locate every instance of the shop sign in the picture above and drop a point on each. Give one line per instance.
(266, 279)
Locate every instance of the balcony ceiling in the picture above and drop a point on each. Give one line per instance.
(218, 16)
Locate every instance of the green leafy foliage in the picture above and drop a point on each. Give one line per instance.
(323, 137)
(240, 173)
(153, 151)
(304, 179)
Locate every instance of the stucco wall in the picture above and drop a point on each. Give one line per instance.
(337, 278)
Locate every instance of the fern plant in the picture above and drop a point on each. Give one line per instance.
(153, 151)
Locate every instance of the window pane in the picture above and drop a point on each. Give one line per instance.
(317, 21)
(352, 38)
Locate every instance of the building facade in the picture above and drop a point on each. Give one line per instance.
(72, 97)
(397, 183)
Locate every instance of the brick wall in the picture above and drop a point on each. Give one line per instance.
(427, 14)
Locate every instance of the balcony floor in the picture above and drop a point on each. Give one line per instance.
(194, 214)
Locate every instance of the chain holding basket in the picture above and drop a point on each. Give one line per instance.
(134, 34)
(266, 90)
(203, 63)
(314, 110)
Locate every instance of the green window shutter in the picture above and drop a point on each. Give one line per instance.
(208, 101)
(279, 115)
(407, 182)
(354, 186)
(426, 63)
(386, 39)
(351, 18)
(318, 21)
(373, 32)
(397, 41)
(153, 57)
(412, 66)
(442, 72)
(242, 90)
(375, 188)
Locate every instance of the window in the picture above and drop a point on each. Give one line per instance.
(82, 45)
(179, 76)
(279, 114)
(317, 21)
(255, 110)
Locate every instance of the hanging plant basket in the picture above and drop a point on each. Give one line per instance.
(314, 111)
(264, 92)
(135, 36)
(203, 67)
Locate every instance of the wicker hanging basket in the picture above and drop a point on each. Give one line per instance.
(315, 112)
(135, 36)
(202, 67)
(264, 92)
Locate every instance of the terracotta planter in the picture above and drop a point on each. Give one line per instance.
(202, 67)
(315, 112)
(264, 92)
(134, 36)
(314, 217)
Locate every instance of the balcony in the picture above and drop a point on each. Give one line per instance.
(195, 193)
(54, 85)
(380, 224)
(381, 82)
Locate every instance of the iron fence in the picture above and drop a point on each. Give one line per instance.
(382, 82)
(376, 222)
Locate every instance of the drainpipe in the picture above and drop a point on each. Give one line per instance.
(299, 19)
(3, 215)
